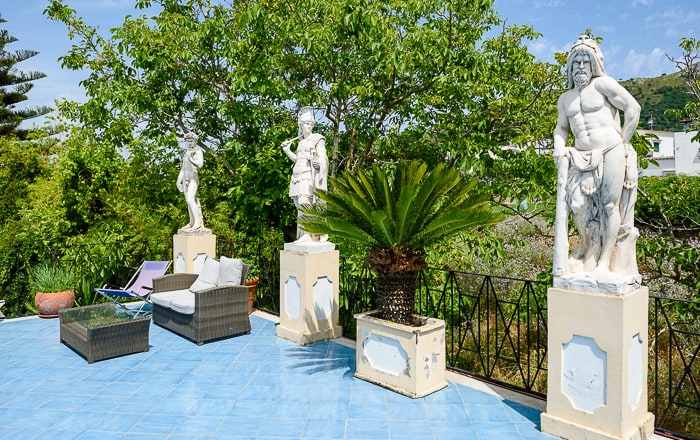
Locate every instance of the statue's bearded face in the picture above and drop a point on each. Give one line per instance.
(581, 78)
(581, 69)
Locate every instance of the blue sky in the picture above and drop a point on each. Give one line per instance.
(637, 34)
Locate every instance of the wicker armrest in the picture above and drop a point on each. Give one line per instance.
(220, 295)
(179, 281)
(176, 281)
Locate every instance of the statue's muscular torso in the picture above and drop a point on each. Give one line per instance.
(590, 117)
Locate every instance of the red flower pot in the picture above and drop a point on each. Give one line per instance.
(49, 303)
(252, 284)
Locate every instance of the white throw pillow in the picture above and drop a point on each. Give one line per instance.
(229, 271)
(207, 277)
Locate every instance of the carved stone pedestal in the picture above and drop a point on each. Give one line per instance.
(597, 372)
(190, 248)
(309, 280)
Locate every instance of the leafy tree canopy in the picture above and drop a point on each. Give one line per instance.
(668, 212)
(391, 80)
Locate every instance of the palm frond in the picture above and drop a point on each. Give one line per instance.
(410, 209)
(453, 222)
(338, 228)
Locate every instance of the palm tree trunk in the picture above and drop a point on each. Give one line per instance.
(397, 270)
(396, 296)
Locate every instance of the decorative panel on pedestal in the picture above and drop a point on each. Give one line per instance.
(597, 364)
(409, 360)
(309, 289)
(190, 249)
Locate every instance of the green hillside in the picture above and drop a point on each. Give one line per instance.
(656, 95)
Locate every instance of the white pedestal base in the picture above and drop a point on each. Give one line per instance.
(189, 251)
(566, 429)
(406, 359)
(309, 289)
(597, 366)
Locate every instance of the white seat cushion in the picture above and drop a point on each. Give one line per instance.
(164, 299)
(230, 270)
(183, 304)
(208, 276)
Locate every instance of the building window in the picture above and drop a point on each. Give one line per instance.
(656, 145)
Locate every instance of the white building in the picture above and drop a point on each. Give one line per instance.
(674, 152)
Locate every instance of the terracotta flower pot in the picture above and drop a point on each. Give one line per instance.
(252, 284)
(49, 303)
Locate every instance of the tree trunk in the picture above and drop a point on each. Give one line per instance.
(396, 296)
(397, 269)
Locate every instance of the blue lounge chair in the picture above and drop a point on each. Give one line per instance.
(139, 286)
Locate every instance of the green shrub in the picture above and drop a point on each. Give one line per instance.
(667, 214)
(48, 277)
(669, 203)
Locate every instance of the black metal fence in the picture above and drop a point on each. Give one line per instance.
(674, 362)
(496, 327)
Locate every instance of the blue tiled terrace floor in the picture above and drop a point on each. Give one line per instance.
(248, 387)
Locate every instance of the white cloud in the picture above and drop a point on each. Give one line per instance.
(675, 21)
(679, 15)
(541, 48)
(610, 48)
(545, 49)
(639, 3)
(649, 64)
(674, 33)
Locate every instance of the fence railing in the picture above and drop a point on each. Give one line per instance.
(674, 362)
(496, 327)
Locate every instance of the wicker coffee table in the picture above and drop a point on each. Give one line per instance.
(103, 331)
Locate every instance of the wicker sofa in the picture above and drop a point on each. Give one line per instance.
(200, 314)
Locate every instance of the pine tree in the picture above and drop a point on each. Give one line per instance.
(14, 86)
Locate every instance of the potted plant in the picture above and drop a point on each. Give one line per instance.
(53, 284)
(395, 216)
(252, 282)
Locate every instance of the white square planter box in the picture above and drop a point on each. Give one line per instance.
(406, 359)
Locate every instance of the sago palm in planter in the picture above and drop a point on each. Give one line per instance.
(396, 217)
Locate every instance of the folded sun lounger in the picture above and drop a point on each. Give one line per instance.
(139, 286)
